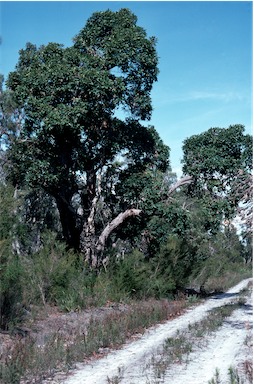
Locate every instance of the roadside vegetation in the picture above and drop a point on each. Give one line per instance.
(90, 210)
(27, 360)
(233, 376)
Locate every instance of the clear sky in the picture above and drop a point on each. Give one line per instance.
(205, 51)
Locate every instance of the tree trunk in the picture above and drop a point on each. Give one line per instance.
(88, 237)
(15, 241)
(68, 218)
(100, 246)
(92, 246)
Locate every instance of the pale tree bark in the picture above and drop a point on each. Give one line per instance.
(183, 181)
(100, 246)
(93, 247)
(15, 241)
(88, 237)
(243, 190)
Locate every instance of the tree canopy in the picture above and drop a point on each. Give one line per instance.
(71, 133)
(219, 163)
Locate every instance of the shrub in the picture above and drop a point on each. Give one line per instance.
(175, 261)
(135, 276)
(129, 275)
(10, 286)
(56, 275)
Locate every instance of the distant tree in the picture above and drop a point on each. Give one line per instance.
(217, 165)
(216, 187)
(71, 138)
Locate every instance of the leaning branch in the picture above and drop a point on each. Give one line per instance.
(183, 181)
(113, 225)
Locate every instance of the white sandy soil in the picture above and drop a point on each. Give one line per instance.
(224, 349)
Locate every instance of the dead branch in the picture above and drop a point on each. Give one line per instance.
(114, 224)
(183, 181)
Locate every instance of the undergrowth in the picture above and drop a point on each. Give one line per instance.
(56, 276)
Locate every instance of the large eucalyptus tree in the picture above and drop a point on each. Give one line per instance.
(71, 138)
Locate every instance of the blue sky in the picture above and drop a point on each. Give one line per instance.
(205, 51)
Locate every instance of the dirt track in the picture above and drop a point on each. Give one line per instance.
(223, 349)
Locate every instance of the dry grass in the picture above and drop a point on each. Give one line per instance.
(248, 370)
(26, 362)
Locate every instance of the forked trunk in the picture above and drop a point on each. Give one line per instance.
(93, 246)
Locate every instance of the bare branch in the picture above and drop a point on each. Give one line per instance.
(183, 181)
(113, 225)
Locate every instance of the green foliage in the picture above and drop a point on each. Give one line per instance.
(10, 267)
(220, 161)
(56, 275)
(161, 216)
(114, 46)
(130, 274)
(136, 276)
(220, 261)
(10, 117)
(7, 206)
(167, 219)
(175, 261)
(11, 272)
(24, 215)
(70, 97)
(133, 276)
(218, 151)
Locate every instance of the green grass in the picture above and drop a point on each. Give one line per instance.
(233, 377)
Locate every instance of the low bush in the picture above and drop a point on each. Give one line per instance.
(218, 273)
(11, 271)
(56, 275)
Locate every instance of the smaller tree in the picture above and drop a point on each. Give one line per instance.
(219, 165)
(10, 266)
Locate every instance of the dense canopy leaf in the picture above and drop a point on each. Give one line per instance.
(220, 163)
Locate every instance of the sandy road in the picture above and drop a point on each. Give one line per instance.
(225, 348)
